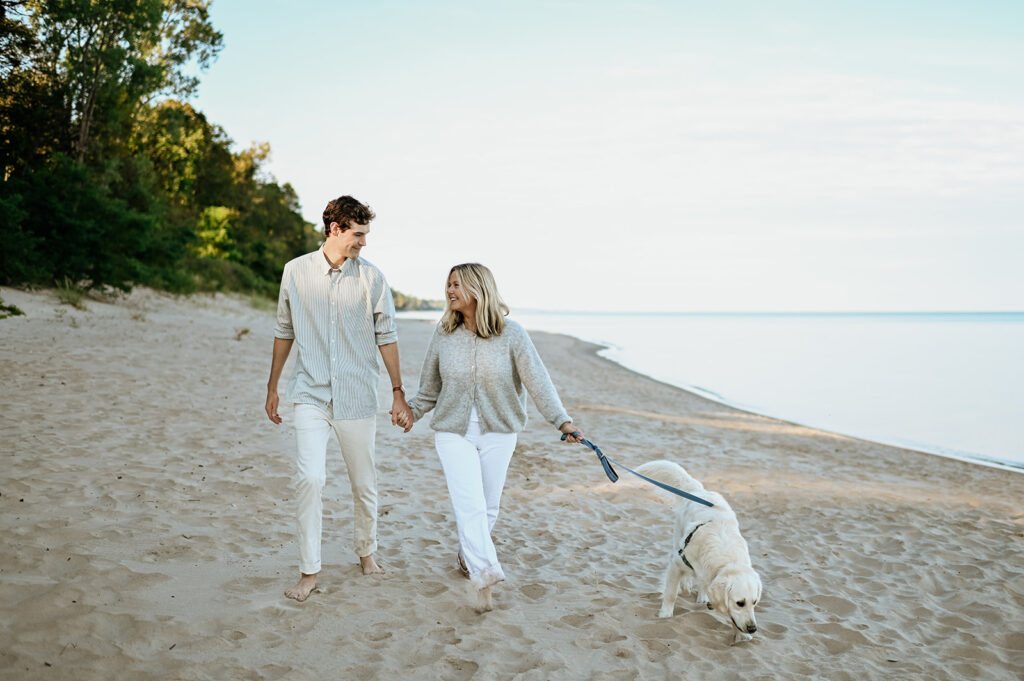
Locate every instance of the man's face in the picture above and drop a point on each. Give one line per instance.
(352, 240)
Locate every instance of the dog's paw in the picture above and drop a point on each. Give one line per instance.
(702, 599)
(740, 637)
(666, 612)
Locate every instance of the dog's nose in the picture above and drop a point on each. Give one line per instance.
(710, 607)
(751, 628)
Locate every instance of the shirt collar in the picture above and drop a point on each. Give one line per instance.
(324, 266)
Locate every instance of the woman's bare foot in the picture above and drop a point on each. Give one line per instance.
(369, 565)
(484, 603)
(301, 591)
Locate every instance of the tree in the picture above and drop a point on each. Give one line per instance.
(108, 59)
(108, 178)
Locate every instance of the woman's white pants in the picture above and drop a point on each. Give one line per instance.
(474, 466)
(313, 427)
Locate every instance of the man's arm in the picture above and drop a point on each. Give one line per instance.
(282, 346)
(401, 415)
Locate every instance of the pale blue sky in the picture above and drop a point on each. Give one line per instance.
(648, 156)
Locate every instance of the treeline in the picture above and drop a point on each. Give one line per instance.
(404, 302)
(109, 177)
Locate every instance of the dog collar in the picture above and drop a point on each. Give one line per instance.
(686, 542)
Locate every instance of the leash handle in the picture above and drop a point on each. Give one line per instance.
(608, 470)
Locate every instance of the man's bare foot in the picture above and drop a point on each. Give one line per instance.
(301, 591)
(369, 565)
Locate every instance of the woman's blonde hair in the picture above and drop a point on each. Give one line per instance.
(477, 281)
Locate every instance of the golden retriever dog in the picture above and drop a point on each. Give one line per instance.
(709, 557)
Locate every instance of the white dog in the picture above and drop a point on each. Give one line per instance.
(709, 556)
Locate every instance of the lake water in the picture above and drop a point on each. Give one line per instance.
(945, 383)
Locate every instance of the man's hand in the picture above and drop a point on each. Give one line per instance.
(272, 402)
(282, 346)
(401, 414)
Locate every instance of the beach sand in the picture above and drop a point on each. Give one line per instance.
(148, 526)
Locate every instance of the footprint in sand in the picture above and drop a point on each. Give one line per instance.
(771, 630)
(378, 638)
(271, 671)
(605, 602)
(578, 621)
(533, 591)
(431, 589)
(833, 604)
(836, 638)
(459, 669)
(445, 636)
(600, 639)
(662, 630)
(271, 639)
(1014, 642)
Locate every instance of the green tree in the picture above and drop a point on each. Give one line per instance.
(108, 177)
(109, 58)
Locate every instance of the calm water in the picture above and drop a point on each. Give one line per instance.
(950, 384)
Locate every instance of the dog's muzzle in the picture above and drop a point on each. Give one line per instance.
(751, 628)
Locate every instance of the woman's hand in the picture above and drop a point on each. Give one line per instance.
(573, 434)
(403, 419)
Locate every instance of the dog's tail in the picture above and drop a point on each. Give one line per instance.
(670, 473)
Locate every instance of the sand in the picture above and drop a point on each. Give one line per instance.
(147, 517)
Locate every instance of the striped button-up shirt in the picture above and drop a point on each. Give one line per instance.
(337, 317)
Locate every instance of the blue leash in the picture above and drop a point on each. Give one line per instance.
(614, 477)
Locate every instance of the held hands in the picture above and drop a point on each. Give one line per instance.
(401, 414)
(572, 433)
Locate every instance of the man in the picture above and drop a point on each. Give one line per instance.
(337, 308)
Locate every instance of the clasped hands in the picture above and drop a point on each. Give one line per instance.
(401, 414)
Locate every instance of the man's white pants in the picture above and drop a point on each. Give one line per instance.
(474, 466)
(313, 426)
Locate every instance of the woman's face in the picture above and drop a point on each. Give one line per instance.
(458, 299)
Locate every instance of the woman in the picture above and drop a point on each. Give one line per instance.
(473, 377)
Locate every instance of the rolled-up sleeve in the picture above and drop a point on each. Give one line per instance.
(384, 328)
(283, 328)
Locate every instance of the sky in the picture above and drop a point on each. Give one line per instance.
(665, 156)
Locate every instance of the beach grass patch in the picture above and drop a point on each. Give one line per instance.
(262, 302)
(70, 293)
(9, 310)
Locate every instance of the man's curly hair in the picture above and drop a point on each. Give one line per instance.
(345, 210)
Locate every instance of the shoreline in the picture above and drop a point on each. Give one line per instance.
(149, 508)
(932, 450)
(608, 349)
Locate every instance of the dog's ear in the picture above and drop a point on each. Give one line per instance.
(718, 595)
